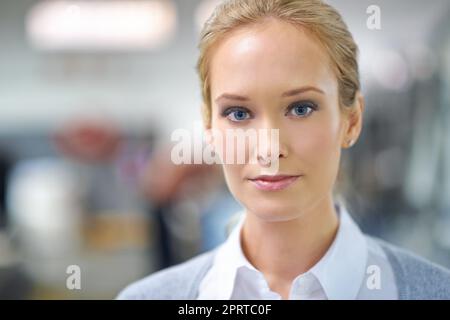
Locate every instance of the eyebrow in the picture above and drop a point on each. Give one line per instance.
(289, 93)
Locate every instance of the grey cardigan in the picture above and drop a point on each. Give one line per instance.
(416, 278)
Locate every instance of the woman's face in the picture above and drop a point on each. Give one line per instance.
(275, 76)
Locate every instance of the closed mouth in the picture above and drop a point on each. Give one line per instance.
(273, 183)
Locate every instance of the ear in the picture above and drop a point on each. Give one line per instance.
(354, 122)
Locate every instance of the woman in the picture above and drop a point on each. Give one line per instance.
(289, 65)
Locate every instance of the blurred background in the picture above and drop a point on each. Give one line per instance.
(90, 92)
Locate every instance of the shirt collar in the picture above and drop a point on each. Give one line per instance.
(340, 271)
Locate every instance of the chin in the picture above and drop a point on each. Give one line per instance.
(271, 211)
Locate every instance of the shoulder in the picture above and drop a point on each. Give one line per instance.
(177, 282)
(416, 277)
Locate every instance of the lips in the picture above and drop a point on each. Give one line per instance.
(273, 183)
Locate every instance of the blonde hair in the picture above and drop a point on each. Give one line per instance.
(317, 17)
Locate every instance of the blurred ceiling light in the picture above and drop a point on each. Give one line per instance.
(101, 25)
(204, 10)
(390, 70)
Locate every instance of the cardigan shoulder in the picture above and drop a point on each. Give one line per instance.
(417, 278)
(179, 282)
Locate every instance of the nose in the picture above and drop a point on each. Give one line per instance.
(271, 144)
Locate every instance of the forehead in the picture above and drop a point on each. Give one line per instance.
(274, 55)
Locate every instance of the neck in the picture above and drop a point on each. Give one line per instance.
(283, 250)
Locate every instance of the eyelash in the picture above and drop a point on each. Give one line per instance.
(312, 107)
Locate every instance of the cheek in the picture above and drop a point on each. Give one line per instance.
(232, 169)
(232, 172)
(320, 146)
(232, 145)
(322, 142)
(233, 178)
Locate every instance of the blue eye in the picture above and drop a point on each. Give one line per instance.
(237, 114)
(301, 109)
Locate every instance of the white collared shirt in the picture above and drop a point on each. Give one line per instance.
(353, 267)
